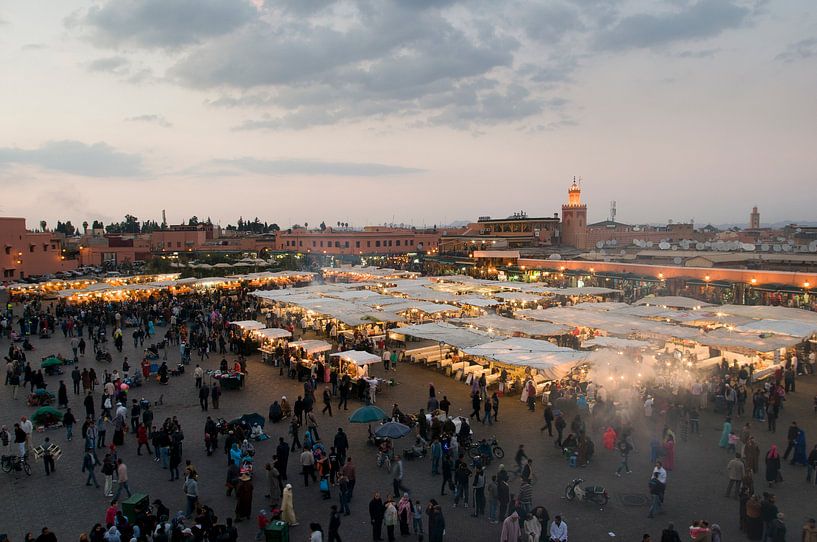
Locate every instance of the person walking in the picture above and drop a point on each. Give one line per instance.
(191, 491)
(215, 395)
(89, 463)
(390, 519)
(397, 477)
(204, 395)
(377, 511)
(287, 507)
(198, 374)
(736, 471)
(308, 466)
(108, 468)
(334, 524)
(327, 405)
(48, 457)
(68, 420)
(122, 476)
(656, 495)
(773, 466)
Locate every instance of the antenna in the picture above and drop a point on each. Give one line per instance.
(612, 211)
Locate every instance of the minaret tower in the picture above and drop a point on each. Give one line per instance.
(574, 217)
(754, 219)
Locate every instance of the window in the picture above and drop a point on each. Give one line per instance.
(368, 243)
(321, 244)
(300, 243)
(337, 244)
(313, 244)
(357, 244)
(8, 273)
(377, 243)
(178, 244)
(31, 248)
(8, 250)
(398, 242)
(346, 244)
(45, 248)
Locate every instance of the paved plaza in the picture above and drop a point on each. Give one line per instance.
(695, 488)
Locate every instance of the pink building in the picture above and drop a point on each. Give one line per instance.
(26, 253)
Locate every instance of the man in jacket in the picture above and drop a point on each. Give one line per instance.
(736, 470)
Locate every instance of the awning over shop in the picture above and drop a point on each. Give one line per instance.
(273, 333)
(673, 302)
(248, 325)
(553, 361)
(513, 326)
(358, 357)
(445, 333)
(312, 346)
(615, 342)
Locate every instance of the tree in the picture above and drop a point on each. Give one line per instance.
(43, 224)
(274, 227)
(194, 221)
(85, 226)
(306, 225)
(98, 225)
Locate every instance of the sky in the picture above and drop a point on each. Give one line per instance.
(407, 111)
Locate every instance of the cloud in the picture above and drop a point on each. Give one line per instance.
(703, 53)
(33, 47)
(700, 20)
(152, 119)
(310, 168)
(76, 158)
(118, 65)
(163, 23)
(800, 50)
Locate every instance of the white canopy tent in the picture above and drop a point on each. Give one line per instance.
(273, 333)
(445, 333)
(552, 361)
(513, 326)
(673, 302)
(312, 346)
(358, 357)
(793, 328)
(615, 342)
(248, 325)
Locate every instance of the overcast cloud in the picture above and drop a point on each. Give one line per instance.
(449, 99)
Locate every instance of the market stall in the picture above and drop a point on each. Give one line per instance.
(228, 380)
(355, 363)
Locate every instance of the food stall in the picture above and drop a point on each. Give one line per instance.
(355, 363)
(227, 380)
(270, 338)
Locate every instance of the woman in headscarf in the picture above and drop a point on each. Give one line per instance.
(243, 505)
(754, 524)
(390, 519)
(404, 514)
(727, 428)
(772, 465)
(287, 509)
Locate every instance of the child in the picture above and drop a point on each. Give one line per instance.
(263, 520)
(417, 515)
(733, 442)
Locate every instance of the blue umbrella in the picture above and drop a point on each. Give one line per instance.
(392, 430)
(367, 414)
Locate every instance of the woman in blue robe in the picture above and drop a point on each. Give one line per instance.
(727, 428)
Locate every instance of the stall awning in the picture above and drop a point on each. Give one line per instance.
(445, 333)
(673, 301)
(747, 342)
(615, 342)
(273, 333)
(248, 325)
(513, 326)
(312, 346)
(358, 357)
(552, 361)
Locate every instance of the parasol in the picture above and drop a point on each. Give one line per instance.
(367, 414)
(51, 361)
(392, 430)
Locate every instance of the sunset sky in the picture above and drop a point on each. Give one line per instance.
(416, 111)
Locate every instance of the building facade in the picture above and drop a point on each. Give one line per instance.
(371, 240)
(25, 253)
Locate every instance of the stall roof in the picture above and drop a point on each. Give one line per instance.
(312, 346)
(445, 333)
(422, 306)
(749, 342)
(358, 357)
(248, 324)
(513, 326)
(274, 333)
(802, 330)
(616, 342)
(673, 301)
(608, 321)
(553, 361)
(584, 290)
(521, 297)
(602, 306)
(766, 312)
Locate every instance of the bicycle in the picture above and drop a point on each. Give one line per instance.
(15, 462)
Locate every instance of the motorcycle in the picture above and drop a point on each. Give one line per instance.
(15, 462)
(475, 449)
(595, 494)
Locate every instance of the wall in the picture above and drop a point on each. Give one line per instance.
(24, 253)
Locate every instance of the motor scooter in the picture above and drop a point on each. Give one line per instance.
(595, 494)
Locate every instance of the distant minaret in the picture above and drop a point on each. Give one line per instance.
(164, 219)
(574, 218)
(754, 219)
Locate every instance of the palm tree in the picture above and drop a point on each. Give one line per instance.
(43, 224)
(306, 225)
(85, 226)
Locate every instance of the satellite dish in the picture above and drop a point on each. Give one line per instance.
(749, 247)
(663, 245)
(614, 242)
(685, 244)
(708, 244)
(555, 257)
(599, 244)
(602, 251)
(787, 248)
(674, 247)
(764, 247)
(700, 246)
(622, 252)
(649, 244)
(777, 248)
(677, 260)
(812, 247)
